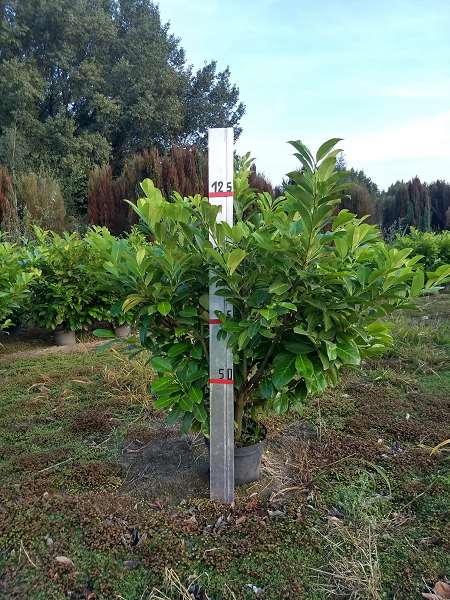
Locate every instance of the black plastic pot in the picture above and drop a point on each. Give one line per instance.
(123, 331)
(65, 338)
(247, 462)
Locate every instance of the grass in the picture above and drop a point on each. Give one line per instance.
(351, 505)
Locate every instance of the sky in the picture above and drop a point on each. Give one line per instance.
(375, 73)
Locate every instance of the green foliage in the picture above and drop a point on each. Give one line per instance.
(16, 276)
(408, 205)
(67, 294)
(403, 205)
(362, 194)
(434, 248)
(116, 261)
(440, 204)
(308, 288)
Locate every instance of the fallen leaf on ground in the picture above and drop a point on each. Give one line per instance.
(441, 591)
(191, 523)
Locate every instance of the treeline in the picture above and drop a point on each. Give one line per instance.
(31, 199)
(182, 169)
(403, 205)
(88, 84)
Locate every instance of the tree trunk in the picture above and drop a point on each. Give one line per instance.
(239, 414)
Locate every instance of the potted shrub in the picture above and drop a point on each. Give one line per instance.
(66, 297)
(308, 286)
(117, 257)
(16, 276)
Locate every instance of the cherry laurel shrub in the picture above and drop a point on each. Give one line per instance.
(16, 277)
(434, 248)
(117, 258)
(67, 295)
(309, 288)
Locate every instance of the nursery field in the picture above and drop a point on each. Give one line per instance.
(98, 498)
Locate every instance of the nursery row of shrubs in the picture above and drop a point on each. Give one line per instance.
(309, 287)
(433, 247)
(66, 282)
(69, 281)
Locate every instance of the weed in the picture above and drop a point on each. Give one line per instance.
(437, 384)
(353, 570)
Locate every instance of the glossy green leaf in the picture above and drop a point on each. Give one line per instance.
(104, 333)
(281, 404)
(331, 349)
(283, 370)
(161, 364)
(140, 255)
(186, 403)
(234, 259)
(304, 366)
(417, 283)
(200, 413)
(178, 349)
(266, 389)
(326, 147)
(164, 308)
(196, 394)
(164, 385)
(164, 402)
(348, 352)
(279, 288)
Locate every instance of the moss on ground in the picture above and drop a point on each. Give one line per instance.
(360, 509)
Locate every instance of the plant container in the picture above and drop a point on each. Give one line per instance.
(65, 338)
(123, 332)
(247, 462)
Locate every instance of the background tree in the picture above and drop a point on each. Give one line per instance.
(408, 205)
(362, 195)
(440, 203)
(9, 217)
(85, 83)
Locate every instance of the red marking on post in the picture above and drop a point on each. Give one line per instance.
(222, 381)
(214, 321)
(220, 194)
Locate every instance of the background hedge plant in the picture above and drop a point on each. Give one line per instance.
(309, 289)
(115, 258)
(16, 277)
(434, 248)
(67, 295)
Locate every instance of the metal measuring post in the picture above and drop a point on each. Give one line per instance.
(221, 397)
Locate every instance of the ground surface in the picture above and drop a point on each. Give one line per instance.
(351, 504)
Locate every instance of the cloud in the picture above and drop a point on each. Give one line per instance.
(419, 138)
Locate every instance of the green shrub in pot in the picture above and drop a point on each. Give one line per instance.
(66, 296)
(16, 277)
(117, 257)
(309, 289)
(434, 248)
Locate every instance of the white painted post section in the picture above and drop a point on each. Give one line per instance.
(221, 398)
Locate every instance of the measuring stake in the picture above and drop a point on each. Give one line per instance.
(221, 397)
